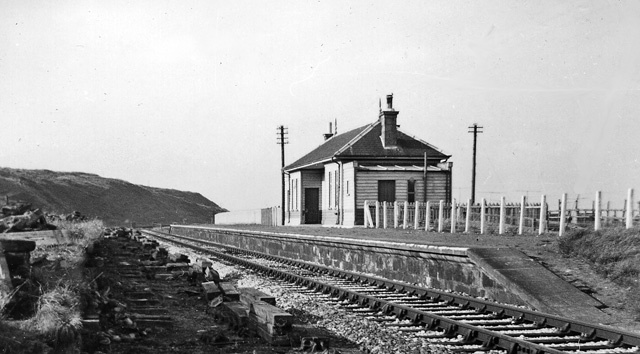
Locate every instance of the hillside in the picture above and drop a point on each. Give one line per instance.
(114, 201)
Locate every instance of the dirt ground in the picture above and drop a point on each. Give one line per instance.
(543, 249)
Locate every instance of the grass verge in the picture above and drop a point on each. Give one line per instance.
(615, 253)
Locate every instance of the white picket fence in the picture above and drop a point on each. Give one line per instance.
(480, 217)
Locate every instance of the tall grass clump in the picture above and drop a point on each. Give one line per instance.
(58, 315)
(614, 252)
(82, 232)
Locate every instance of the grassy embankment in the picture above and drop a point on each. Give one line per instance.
(43, 313)
(615, 253)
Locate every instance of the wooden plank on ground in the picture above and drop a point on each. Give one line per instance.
(177, 266)
(5, 277)
(203, 263)
(236, 313)
(178, 258)
(210, 290)
(42, 238)
(229, 291)
(251, 295)
(266, 331)
(267, 313)
(17, 245)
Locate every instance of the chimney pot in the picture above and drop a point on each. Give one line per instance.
(390, 101)
(330, 134)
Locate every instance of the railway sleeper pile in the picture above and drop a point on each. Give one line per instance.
(136, 312)
(15, 259)
(246, 312)
(249, 311)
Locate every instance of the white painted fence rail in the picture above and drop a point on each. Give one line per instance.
(501, 218)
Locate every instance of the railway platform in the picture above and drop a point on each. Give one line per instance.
(490, 269)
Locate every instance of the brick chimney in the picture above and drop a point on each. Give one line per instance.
(330, 134)
(388, 121)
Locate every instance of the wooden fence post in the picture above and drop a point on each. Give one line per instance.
(366, 213)
(453, 216)
(467, 221)
(543, 214)
(523, 201)
(427, 216)
(482, 215)
(596, 214)
(502, 216)
(405, 217)
(396, 211)
(440, 216)
(416, 216)
(377, 214)
(629, 215)
(563, 211)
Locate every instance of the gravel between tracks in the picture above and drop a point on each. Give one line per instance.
(370, 336)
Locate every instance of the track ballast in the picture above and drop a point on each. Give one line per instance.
(461, 322)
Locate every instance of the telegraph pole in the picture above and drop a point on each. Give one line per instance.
(282, 140)
(475, 130)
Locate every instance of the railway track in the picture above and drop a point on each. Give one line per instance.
(462, 323)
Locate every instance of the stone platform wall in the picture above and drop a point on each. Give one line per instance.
(433, 266)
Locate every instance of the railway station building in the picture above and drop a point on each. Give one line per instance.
(375, 162)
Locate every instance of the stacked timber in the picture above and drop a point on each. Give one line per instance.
(30, 220)
(249, 310)
(270, 322)
(15, 255)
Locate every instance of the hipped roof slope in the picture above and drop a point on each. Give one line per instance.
(365, 142)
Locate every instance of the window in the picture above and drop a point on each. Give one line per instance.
(347, 188)
(329, 180)
(411, 191)
(387, 191)
(336, 190)
(293, 191)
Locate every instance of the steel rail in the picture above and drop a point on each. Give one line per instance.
(488, 338)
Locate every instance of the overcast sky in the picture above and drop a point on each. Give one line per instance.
(188, 94)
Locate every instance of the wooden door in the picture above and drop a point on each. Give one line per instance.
(312, 206)
(387, 191)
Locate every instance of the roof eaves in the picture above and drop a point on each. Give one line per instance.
(307, 165)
